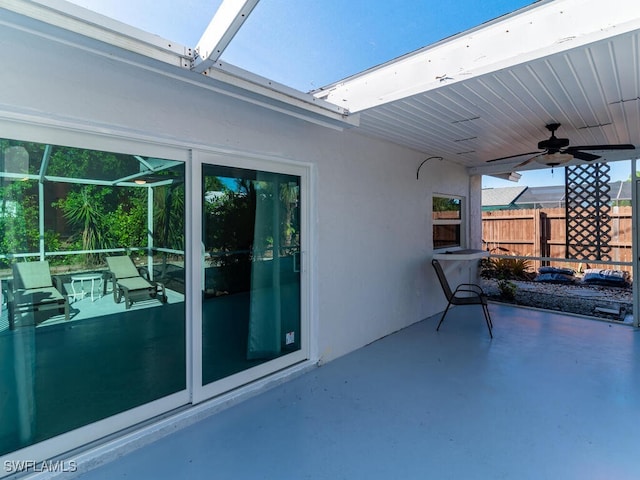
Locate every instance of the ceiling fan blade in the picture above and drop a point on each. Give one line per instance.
(587, 157)
(528, 160)
(513, 156)
(624, 146)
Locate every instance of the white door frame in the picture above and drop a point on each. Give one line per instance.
(301, 357)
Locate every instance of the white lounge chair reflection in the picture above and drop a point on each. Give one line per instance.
(131, 282)
(32, 290)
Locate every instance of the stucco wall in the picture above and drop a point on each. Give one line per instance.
(370, 217)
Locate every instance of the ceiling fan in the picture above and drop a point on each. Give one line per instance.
(556, 151)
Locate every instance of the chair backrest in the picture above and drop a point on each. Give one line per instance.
(442, 278)
(122, 267)
(29, 275)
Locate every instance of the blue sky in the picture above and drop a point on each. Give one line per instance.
(307, 44)
(545, 177)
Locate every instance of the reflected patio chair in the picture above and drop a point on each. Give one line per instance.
(464, 294)
(131, 282)
(32, 290)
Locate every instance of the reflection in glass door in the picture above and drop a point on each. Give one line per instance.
(80, 343)
(251, 269)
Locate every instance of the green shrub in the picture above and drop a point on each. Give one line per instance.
(506, 268)
(507, 289)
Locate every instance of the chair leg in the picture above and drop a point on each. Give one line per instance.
(443, 315)
(127, 299)
(11, 318)
(487, 317)
(163, 293)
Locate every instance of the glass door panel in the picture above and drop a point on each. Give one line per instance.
(251, 312)
(77, 344)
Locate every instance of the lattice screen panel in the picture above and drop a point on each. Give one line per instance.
(588, 208)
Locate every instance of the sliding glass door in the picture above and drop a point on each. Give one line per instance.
(251, 272)
(131, 285)
(78, 343)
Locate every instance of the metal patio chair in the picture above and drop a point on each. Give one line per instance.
(464, 294)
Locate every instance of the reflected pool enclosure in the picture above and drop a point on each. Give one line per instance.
(82, 340)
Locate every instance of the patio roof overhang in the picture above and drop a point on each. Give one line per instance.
(479, 95)
(489, 92)
(64, 22)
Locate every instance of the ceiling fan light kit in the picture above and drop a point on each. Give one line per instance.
(554, 159)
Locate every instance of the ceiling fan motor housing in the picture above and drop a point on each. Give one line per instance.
(553, 144)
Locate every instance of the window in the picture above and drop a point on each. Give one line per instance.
(447, 221)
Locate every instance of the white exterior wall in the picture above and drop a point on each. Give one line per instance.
(371, 217)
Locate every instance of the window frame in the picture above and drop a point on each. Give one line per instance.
(461, 222)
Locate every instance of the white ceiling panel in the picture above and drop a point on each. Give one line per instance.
(592, 90)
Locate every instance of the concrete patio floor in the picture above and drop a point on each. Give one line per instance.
(550, 397)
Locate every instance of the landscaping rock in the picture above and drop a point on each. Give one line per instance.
(612, 303)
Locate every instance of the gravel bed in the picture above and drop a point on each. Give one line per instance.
(611, 303)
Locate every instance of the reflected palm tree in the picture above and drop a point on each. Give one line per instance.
(83, 209)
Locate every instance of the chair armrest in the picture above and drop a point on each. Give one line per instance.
(59, 284)
(470, 287)
(470, 293)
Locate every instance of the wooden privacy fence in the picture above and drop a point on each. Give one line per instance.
(542, 233)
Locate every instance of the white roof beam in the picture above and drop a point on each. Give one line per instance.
(223, 27)
(277, 92)
(540, 30)
(74, 18)
(114, 40)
